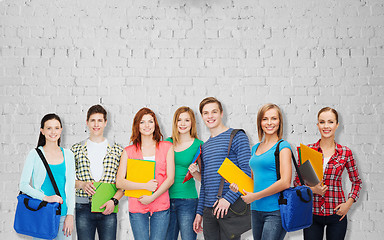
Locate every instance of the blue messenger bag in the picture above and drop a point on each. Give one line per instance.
(38, 218)
(295, 202)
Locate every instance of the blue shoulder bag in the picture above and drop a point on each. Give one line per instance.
(38, 218)
(295, 202)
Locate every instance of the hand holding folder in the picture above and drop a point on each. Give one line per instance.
(104, 192)
(141, 171)
(196, 158)
(233, 174)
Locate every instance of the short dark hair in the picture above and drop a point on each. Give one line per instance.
(97, 109)
(208, 100)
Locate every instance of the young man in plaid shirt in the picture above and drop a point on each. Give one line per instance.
(96, 160)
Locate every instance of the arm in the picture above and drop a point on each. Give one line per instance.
(70, 182)
(167, 182)
(26, 176)
(194, 170)
(197, 223)
(70, 193)
(110, 205)
(354, 177)
(32, 169)
(343, 208)
(87, 187)
(125, 184)
(283, 183)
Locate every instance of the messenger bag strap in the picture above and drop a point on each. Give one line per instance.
(233, 133)
(277, 162)
(48, 171)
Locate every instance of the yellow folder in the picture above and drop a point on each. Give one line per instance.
(315, 157)
(233, 174)
(104, 192)
(140, 171)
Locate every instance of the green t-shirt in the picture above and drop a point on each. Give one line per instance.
(182, 161)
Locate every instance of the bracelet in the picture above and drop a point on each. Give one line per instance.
(115, 201)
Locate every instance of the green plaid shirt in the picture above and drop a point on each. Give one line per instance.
(111, 164)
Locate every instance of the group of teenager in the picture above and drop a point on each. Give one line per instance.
(175, 207)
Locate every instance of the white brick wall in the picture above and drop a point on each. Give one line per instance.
(63, 56)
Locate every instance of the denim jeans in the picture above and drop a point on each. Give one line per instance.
(147, 227)
(88, 222)
(335, 229)
(183, 212)
(267, 225)
(60, 234)
(211, 227)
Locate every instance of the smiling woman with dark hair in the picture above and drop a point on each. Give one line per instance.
(61, 163)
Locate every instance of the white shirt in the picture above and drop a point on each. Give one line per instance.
(96, 154)
(325, 162)
(151, 158)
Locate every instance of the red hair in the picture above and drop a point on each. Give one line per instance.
(136, 135)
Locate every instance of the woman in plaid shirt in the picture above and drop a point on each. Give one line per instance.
(329, 205)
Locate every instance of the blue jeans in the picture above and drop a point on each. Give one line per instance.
(267, 225)
(335, 229)
(183, 212)
(88, 222)
(60, 234)
(145, 227)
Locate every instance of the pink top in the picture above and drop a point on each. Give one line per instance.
(162, 202)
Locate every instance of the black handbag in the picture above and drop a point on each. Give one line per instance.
(295, 202)
(38, 218)
(238, 219)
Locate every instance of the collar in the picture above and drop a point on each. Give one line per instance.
(84, 146)
(338, 149)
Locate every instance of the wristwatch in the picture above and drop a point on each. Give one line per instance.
(115, 201)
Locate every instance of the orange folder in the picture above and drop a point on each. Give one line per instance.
(315, 157)
(140, 171)
(233, 174)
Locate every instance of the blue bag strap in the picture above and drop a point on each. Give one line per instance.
(48, 171)
(277, 162)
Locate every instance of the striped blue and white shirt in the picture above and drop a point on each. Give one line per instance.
(214, 151)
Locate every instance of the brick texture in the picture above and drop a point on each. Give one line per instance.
(63, 56)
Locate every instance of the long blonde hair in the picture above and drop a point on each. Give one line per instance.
(175, 132)
(260, 116)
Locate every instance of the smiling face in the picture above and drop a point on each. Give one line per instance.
(270, 122)
(147, 125)
(96, 124)
(327, 124)
(212, 116)
(52, 130)
(184, 123)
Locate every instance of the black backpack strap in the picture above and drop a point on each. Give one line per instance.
(277, 162)
(48, 171)
(233, 134)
